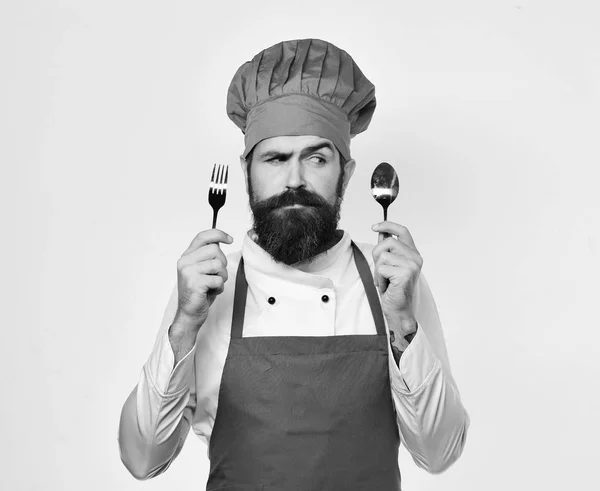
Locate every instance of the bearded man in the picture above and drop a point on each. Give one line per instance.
(285, 359)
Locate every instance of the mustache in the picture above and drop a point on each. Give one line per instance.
(289, 198)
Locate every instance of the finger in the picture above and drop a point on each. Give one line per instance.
(391, 259)
(395, 228)
(213, 235)
(388, 244)
(383, 273)
(206, 252)
(387, 272)
(380, 281)
(211, 267)
(382, 236)
(198, 276)
(401, 263)
(394, 246)
(213, 282)
(382, 284)
(218, 291)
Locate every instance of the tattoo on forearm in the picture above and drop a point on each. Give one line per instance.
(395, 351)
(409, 337)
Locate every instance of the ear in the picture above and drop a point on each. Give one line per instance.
(349, 170)
(244, 165)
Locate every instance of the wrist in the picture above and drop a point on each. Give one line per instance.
(402, 322)
(183, 324)
(182, 337)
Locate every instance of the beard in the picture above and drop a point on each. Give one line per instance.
(295, 235)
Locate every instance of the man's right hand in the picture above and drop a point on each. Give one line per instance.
(201, 276)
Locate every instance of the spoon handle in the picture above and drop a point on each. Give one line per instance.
(383, 283)
(384, 235)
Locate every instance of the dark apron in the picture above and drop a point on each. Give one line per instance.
(305, 413)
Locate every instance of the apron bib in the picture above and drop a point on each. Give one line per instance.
(307, 413)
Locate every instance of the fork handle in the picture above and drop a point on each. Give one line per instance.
(214, 225)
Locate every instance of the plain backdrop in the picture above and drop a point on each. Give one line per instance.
(112, 116)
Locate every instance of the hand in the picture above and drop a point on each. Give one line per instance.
(397, 269)
(201, 276)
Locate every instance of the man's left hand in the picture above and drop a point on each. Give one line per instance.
(397, 269)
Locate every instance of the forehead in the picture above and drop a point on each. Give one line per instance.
(287, 144)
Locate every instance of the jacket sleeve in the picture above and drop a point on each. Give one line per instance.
(432, 420)
(156, 417)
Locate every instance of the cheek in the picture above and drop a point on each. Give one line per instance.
(261, 186)
(327, 186)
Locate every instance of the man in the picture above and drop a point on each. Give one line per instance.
(285, 358)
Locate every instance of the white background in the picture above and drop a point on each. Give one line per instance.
(112, 115)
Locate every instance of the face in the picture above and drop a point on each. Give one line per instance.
(296, 185)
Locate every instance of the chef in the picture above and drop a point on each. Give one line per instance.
(305, 359)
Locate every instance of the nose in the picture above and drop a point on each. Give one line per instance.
(295, 175)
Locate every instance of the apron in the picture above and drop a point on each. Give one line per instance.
(305, 413)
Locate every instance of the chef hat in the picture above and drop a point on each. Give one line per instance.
(301, 87)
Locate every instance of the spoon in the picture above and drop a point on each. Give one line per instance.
(384, 186)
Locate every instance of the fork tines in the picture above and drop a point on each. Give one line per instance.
(218, 189)
(218, 185)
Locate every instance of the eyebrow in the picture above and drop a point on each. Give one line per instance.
(308, 150)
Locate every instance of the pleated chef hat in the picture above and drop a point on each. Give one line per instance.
(301, 87)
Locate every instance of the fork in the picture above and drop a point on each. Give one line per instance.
(218, 189)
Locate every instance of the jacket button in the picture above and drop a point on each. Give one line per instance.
(271, 300)
(325, 298)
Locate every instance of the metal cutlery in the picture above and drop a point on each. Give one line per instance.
(217, 192)
(384, 186)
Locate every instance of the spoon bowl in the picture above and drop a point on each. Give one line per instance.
(384, 186)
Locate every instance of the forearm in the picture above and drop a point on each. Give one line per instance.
(402, 331)
(182, 337)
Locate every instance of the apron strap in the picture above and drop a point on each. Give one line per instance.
(369, 284)
(241, 290)
(239, 302)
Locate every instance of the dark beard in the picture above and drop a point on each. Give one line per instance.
(295, 235)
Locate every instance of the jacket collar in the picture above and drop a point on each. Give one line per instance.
(325, 264)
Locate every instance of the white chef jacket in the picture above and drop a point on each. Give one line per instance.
(168, 400)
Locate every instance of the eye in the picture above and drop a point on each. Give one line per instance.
(318, 159)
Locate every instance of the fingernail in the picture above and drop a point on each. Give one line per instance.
(375, 227)
(230, 238)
